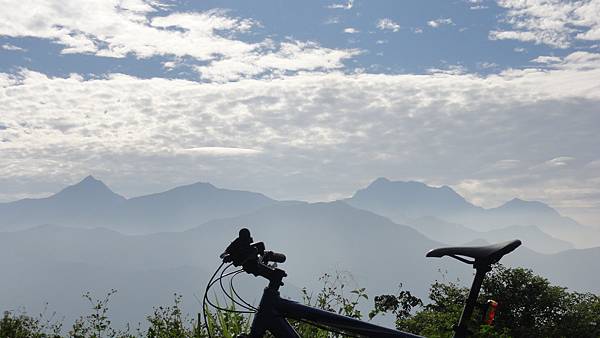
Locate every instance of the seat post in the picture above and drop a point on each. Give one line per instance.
(461, 330)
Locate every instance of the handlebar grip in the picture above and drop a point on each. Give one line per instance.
(276, 257)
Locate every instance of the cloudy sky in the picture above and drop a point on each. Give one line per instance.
(304, 99)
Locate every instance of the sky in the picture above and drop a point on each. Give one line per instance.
(307, 100)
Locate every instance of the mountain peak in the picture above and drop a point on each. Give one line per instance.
(89, 178)
(385, 182)
(410, 187)
(203, 185)
(90, 181)
(401, 199)
(380, 180)
(198, 187)
(88, 188)
(517, 202)
(520, 205)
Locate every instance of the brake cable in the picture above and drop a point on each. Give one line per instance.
(222, 308)
(322, 327)
(250, 309)
(237, 295)
(206, 300)
(204, 307)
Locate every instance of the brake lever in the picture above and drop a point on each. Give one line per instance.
(226, 257)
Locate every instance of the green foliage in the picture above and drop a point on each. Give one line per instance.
(332, 297)
(97, 324)
(400, 305)
(529, 307)
(227, 323)
(20, 325)
(437, 318)
(169, 322)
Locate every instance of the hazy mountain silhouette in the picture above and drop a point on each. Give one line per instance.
(90, 203)
(576, 268)
(320, 237)
(440, 213)
(84, 204)
(456, 234)
(187, 206)
(406, 201)
(56, 264)
(520, 212)
(317, 238)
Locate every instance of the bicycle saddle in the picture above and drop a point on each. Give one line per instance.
(488, 254)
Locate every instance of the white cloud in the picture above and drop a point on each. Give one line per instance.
(577, 60)
(8, 46)
(559, 161)
(290, 56)
(114, 28)
(332, 20)
(439, 22)
(351, 30)
(388, 24)
(476, 4)
(487, 65)
(169, 64)
(507, 164)
(554, 23)
(546, 59)
(347, 5)
(330, 127)
(217, 151)
(450, 70)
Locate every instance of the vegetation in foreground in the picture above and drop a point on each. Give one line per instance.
(529, 307)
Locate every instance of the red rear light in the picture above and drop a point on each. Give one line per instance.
(491, 312)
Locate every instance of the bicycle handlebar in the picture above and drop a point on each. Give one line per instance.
(270, 256)
(253, 258)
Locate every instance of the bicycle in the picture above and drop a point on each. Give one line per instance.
(273, 310)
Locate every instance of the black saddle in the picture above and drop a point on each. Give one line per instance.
(482, 255)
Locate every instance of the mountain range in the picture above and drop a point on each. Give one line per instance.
(87, 238)
(90, 203)
(403, 202)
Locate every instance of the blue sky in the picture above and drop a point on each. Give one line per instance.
(390, 37)
(308, 100)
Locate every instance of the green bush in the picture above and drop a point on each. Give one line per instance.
(20, 325)
(529, 307)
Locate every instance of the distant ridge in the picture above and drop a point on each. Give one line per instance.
(517, 204)
(61, 262)
(401, 200)
(456, 234)
(439, 212)
(405, 202)
(91, 203)
(66, 250)
(89, 188)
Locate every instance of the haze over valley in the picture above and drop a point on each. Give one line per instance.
(87, 238)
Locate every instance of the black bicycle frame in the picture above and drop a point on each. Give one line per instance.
(273, 311)
(461, 330)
